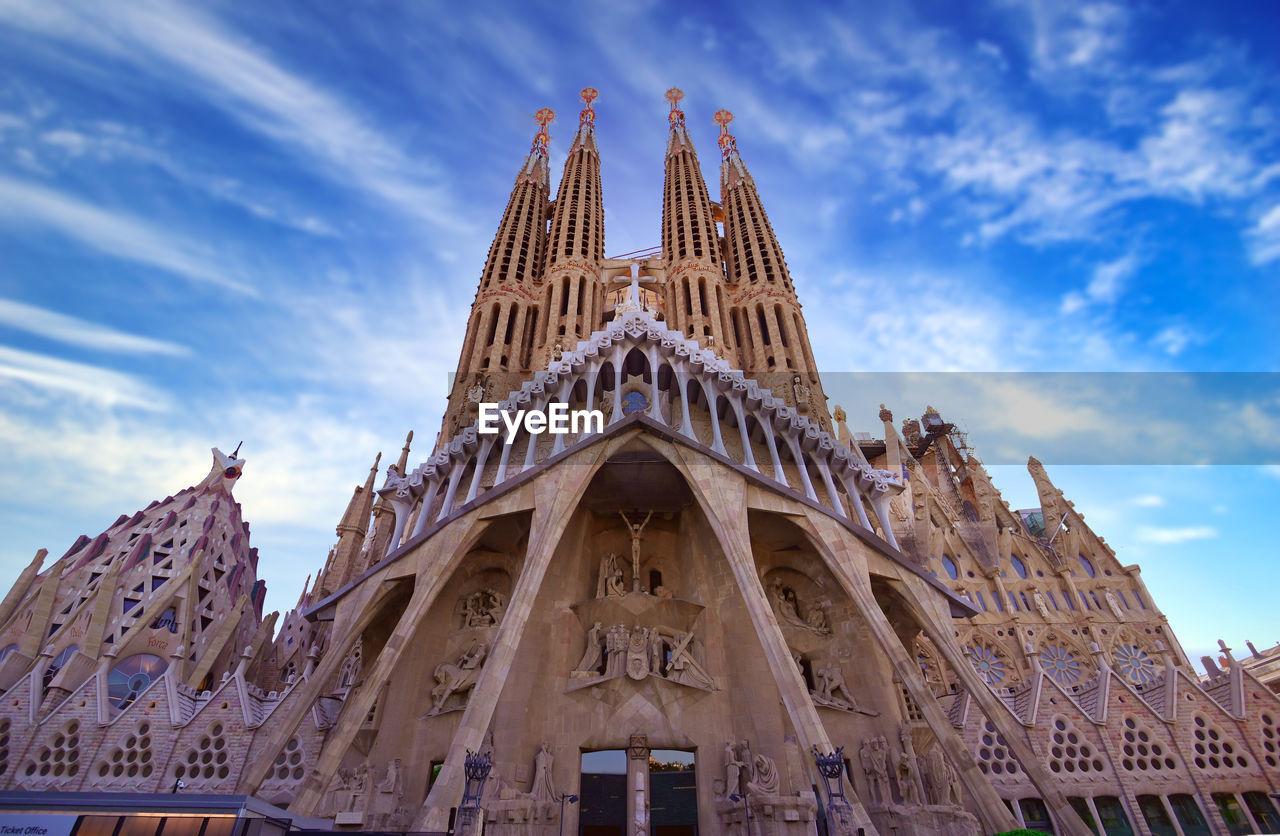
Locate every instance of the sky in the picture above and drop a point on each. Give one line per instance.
(227, 222)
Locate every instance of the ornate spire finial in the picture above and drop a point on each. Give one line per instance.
(588, 116)
(674, 95)
(727, 143)
(545, 116)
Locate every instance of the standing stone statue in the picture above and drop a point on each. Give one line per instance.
(908, 769)
(1040, 604)
(544, 788)
(1114, 604)
(391, 783)
(590, 663)
(657, 652)
(732, 769)
(873, 766)
(616, 642)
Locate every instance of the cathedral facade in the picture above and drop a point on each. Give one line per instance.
(823, 632)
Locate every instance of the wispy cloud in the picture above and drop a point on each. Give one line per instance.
(1106, 285)
(245, 83)
(1175, 536)
(1264, 237)
(114, 233)
(94, 384)
(74, 331)
(1149, 500)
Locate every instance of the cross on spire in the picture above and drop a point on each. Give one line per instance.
(728, 144)
(674, 95)
(545, 116)
(588, 115)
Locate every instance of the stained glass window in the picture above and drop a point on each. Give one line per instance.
(131, 677)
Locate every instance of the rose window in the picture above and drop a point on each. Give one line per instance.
(1133, 663)
(1060, 664)
(987, 664)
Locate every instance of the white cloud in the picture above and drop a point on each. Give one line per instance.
(94, 384)
(1106, 284)
(1149, 500)
(1174, 339)
(1175, 536)
(74, 331)
(113, 233)
(1264, 237)
(185, 47)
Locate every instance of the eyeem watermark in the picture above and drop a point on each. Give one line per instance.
(556, 419)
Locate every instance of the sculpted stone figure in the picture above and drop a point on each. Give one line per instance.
(616, 642)
(544, 788)
(684, 669)
(483, 608)
(764, 781)
(874, 766)
(391, 782)
(1114, 603)
(591, 655)
(831, 688)
(1040, 605)
(732, 769)
(908, 769)
(942, 778)
(611, 580)
(456, 678)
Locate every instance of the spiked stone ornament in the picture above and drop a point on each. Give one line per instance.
(588, 114)
(728, 144)
(674, 95)
(544, 117)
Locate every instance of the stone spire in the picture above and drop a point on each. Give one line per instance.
(351, 530)
(695, 299)
(504, 316)
(572, 296)
(768, 327)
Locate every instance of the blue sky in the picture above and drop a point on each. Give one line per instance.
(265, 222)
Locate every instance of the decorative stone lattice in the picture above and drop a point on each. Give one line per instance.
(994, 757)
(988, 664)
(1069, 753)
(132, 758)
(1214, 751)
(1141, 752)
(207, 760)
(288, 769)
(1270, 739)
(1133, 663)
(60, 758)
(1060, 664)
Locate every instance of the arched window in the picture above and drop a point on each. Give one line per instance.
(953, 571)
(1018, 566)
(1087, 566)
(131, 677)
(57, 663)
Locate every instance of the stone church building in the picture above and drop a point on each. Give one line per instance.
(770, 625)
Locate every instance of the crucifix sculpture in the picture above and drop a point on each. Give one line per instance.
(636, 530)
(633, 303)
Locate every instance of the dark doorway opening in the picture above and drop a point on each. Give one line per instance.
(603, 793)
(673, 793)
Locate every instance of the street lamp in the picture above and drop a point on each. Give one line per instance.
(735, 798)
(572, 799)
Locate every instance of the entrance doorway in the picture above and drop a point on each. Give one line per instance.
(603, 793)
(673, 793)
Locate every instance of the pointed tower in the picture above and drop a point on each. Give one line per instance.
(173, 586)
(505, 316)
(768, 327)
(573, 297)
(695, 297)
(343, 563)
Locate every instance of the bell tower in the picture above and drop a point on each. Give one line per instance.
(695, 297)
(768, 328)
(506, 318)
(572, 296)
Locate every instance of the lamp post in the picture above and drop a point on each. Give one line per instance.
(572, 799)
(476, 767)
(735, 798)
(831, 768)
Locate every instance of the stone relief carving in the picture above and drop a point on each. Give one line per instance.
(792, 611)
(1041, 605)
(456, 678)
(640, 652)
(831, 689)
(874, 755)
(1114, 603)
(391, 782)
(611, 580)
(764, 780)
(483, 608)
